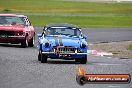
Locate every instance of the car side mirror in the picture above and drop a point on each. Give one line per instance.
(39, 35)
(85, 37)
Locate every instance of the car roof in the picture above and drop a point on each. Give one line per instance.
(13, 15)
(61, 25)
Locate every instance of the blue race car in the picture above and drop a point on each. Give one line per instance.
(62, 41)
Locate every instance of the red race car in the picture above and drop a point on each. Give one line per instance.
(16, 29)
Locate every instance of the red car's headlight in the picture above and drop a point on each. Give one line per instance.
(20, 33)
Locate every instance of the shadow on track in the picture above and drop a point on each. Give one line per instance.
(57, 62)
(10, 45)
(13, 45)
(62, 62)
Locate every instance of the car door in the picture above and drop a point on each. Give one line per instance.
(30, 29)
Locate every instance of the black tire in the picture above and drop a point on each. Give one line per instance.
(31, 43)
(82, 60)
(77, 60)
(43, 58)
(39, 56)
(24, 43)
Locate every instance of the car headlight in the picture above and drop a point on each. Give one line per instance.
(47, 44)
(20, 33)
(83, 45)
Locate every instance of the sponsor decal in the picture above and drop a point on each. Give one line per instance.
(58, 41)
(83, 78)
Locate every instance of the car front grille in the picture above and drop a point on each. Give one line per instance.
(7, 33)
(66, 50)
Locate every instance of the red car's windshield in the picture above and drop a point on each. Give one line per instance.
(12, 20)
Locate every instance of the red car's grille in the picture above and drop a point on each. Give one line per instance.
(7, 33)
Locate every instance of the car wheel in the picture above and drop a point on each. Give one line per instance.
(24, 43)
(31, 43)
(82, 60)
(43, 58)
(77, 60)
(39, 57)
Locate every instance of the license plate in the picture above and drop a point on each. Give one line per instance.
(3, 36)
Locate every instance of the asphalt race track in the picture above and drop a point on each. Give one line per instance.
(19, 67)
(108, 35)
(104, 35)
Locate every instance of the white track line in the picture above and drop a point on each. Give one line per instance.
(107, 64)
(114, 86)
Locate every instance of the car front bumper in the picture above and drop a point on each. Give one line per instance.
(64, 55)
(11, 39)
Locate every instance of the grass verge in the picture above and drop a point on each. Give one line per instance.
(119, 49)
(130, 47)
(84, 14)
(83, 21)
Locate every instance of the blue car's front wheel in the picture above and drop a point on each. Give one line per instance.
(39, 56)
(82, 60)
(42, 57)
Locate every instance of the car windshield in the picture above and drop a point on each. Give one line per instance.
(63, 31)
(12, 20)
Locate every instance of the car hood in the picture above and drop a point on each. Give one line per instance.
(14, 28)
(64, 41)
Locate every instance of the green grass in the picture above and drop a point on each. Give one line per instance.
(84, 14)
(130, 47)
(83, 21)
